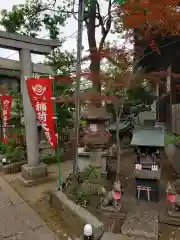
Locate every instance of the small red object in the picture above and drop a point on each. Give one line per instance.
(171, 198)
(153, 46)
(117, 195)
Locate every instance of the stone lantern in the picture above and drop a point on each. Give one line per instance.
(96, 137)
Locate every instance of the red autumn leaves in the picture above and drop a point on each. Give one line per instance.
(161, 15)
(117, 57)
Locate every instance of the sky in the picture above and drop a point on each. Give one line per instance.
(69, 32)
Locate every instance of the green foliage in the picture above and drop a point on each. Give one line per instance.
(62, 63)
(30, 18)
(171, 139)
(2, 148)
(136, 97)
(91, 173)
(140, 95)
(120, 1)
(12, 152)
(17, 114)
(81, 199)
(48, 156)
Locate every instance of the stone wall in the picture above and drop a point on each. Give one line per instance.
(75, 216)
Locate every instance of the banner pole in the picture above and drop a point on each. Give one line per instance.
(56, 130)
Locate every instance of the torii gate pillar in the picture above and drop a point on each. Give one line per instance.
(29, 115)
(34, 170)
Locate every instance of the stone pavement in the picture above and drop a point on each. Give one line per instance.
(112, 236)
(141, 222)
(18, 221)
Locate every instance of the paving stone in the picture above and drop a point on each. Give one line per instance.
(176, 233)
(18, 218)
(23, 236)
(10, 192)
(141, 222)
(34, 235)
(45, 233)
(18, 221)
(113, 236)
(4, 199)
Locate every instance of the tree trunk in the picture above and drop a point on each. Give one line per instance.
(91, 33)
(118, 149)
(95, 69)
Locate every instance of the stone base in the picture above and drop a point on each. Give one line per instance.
(165, 217)
(174, 214)
(12, 168)
(104, 175)
(29, 183)
(110, 209)
(31, 174)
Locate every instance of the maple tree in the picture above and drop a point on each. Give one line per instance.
(154, 27)
(151, 19)
(117, 87)
(26, 20)
(157, 17)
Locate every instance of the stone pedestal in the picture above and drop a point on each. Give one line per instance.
(174, 217)
(104, 167)
(98, 160)
(95, 157)
(32, 175)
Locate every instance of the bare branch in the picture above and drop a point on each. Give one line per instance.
(101, 22)
(73, 10)
(105, 24)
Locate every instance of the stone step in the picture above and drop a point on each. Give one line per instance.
(113, 236)
(141, 222)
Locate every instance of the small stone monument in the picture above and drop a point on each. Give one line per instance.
(96, 138)
(111, 199)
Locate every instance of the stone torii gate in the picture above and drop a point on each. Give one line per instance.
(27, 45)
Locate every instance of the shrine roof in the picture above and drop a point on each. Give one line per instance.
(153, 137)
(122, 126)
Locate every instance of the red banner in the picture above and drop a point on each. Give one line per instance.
(6, 102)
(40, 94)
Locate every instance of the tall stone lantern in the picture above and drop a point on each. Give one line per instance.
(96, 137)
